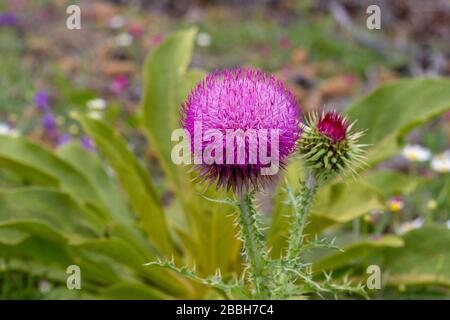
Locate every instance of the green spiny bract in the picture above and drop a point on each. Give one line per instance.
(329, 147)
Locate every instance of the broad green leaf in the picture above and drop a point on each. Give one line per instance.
(389, 182)
(166, 84)
(425, 258)
(392, 110)
(125, 254)
(39, 250)
(35, 162)
(12, 237)
(133, 291)
(135, 181)
(356, 253)
(344, 201)
(62, 293)
(47, 213)
(91, 167)
(44, 269)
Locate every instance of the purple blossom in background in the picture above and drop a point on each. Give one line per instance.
(119, 84)
(156, 39)
(87, 144)
(64, 139)
(285, 43)
(48, 121)
(8, 19)
(42, 101)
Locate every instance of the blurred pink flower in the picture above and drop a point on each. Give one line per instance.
(447, 116)
(136, 30)
(285, 43)
(119, 84)
(156, 39)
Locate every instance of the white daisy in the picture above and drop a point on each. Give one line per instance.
(441, 162)
(415, 153)
(124, 39)
(203, 39)
(6, 130)
(117, 22)
(96, 104)
(410, 225)
(44, 286)
(95, 114)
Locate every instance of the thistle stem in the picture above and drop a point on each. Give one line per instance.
(302, 208)
(253, 244)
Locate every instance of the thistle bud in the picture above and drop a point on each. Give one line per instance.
(329, 147)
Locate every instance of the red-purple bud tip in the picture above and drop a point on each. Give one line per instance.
(333, 125)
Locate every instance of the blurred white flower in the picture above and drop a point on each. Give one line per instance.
(376, 212)
(432, 205)
(117, 22)
(441, 162)
(110, 171)
(95, 114)
(6, 130)
(124, 39)
(448, 224)
(416, 153)
(203, 39)
(44, 286)
(96, 104)
(410, 225)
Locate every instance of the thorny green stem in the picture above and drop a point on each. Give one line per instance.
(253, 245)
(301, 207)
(300, 216)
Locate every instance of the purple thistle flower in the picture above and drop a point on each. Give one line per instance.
(333, 125)
(42, 101)
(242, 99)
(87, 144)
(9, 19)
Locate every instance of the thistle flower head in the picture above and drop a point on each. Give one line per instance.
(242, 100)
(328, 145)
